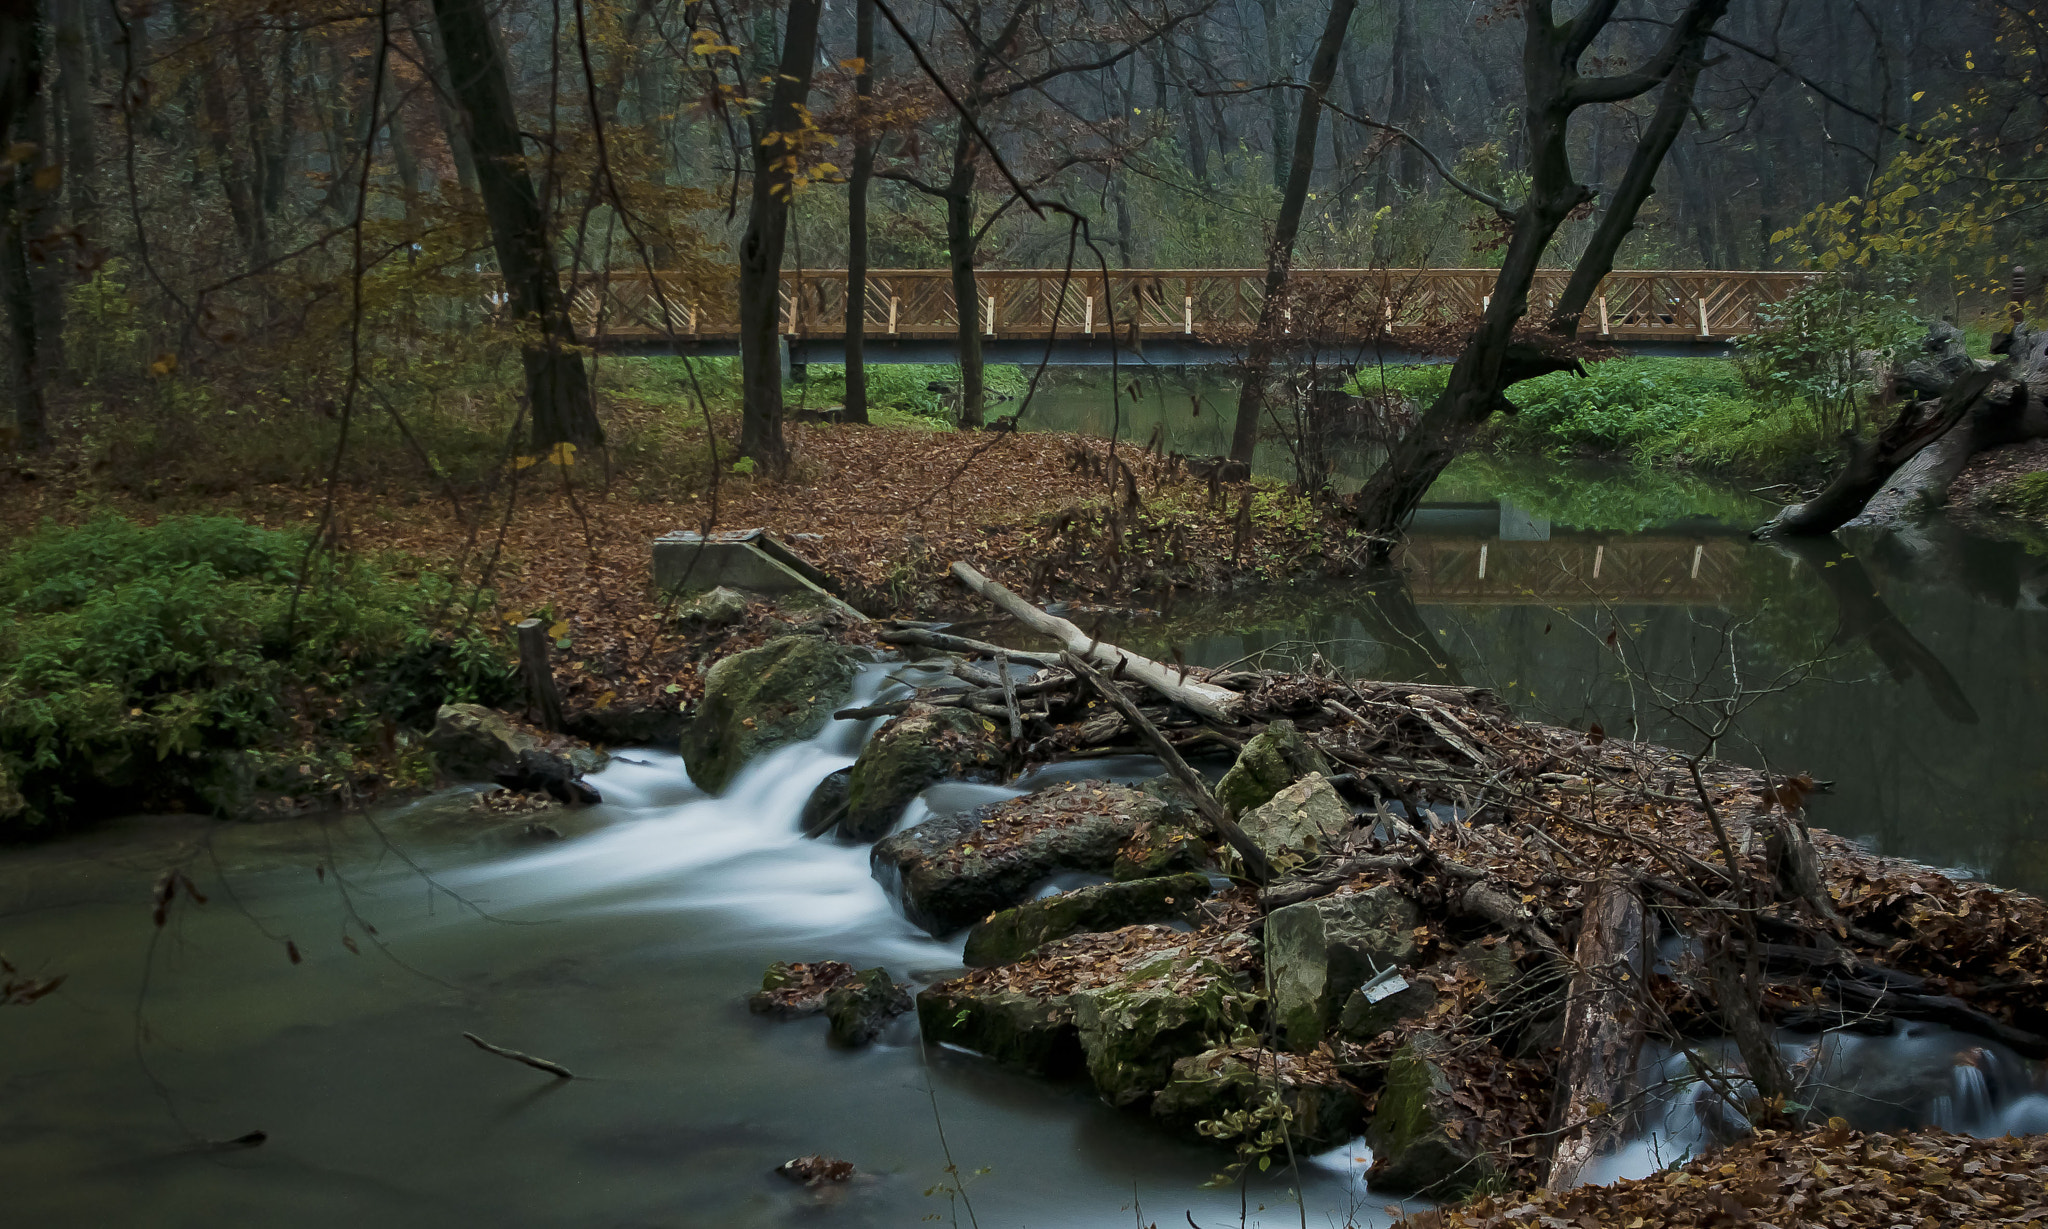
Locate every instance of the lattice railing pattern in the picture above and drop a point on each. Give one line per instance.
(1211, 304)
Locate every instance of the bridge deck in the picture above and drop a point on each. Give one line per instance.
(1212, 306)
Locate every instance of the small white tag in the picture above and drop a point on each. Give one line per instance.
(1385, 988)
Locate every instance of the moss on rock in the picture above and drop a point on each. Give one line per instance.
(1133, 1030)
(1419, 1135)
(1229, 1095)
(1319, 951)
(756, 701)
(1012, 933)
(1274, 759)
(919, 749)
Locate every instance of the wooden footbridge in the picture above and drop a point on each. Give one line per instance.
(1178, 308)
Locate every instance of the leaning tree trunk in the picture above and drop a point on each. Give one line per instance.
(1923, 481)
(1493, 358)
(1871, 463)
(856, 404)
(1605, 1020)
(1251, 395)
(559, 401)
(1276, 71)
(761, 247)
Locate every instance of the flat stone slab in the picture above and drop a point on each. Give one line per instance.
(750, 560)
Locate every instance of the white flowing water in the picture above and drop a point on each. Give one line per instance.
(623, 952)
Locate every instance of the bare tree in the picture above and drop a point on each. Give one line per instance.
(1286, 227)
(560, 405)
(1495, 357)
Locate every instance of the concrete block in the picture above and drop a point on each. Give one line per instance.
(744, 559)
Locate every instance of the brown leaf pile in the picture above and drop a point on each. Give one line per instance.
(1084, 961)
(1835, 1178)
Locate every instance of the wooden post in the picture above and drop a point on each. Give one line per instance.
(2017, 308)
(989, 326)
(1187, 315)
(1603, 316)
(1703, 316)
(1088, 317)
(893, 302)
(541, 695)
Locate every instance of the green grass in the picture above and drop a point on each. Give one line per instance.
(183, 665)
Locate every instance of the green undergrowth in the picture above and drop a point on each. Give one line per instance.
(1695, 413)
(182, 666)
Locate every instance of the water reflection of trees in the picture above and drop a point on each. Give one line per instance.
(1912, 644)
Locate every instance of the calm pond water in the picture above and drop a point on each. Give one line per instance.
(1907, 674)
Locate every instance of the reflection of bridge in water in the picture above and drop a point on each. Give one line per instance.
(1498, 555)
(1179, 311)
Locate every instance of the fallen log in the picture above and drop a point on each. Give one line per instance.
(1255, 865)
(1871, 463)
(961, 644)
(1923, 482)
(1207, 699)
(1605, 1020)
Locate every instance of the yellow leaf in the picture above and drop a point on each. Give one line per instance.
(164, 365)
(605, 700)
(559, 630)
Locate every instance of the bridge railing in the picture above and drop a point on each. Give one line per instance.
(1208, 304)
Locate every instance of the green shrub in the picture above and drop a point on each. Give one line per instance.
(175, 665)
(902, 388)
(1421, 383)
(1618, 405)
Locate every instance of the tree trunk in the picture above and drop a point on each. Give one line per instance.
(1637, 183)
(966, 291)
(559, 401)
(74, 87)
(21, 84)
(1193, 144)
(1605, 1019)
(761, 248)
(1401, 104)
(1276, 99)
(1280, 256)
(444, 104)
(1871, 463)
(1922, 482)
(1493, 359)
(856, 405)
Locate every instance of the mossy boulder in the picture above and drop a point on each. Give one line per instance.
(1013, 933)
(471, 742)
(919, 749)
(1293, 825)
(1319, 951)
(1226, 1094)
(1362, 1020)
(954, 870)
(764, 698)
(1274, 759)
(1133, 1030)
(859, 1007)
(1161, 849)
(1032, 1032)
(1419, 1135)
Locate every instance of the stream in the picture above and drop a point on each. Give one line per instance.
(1908, 676)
